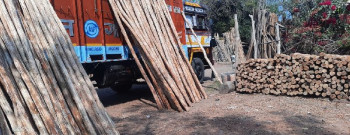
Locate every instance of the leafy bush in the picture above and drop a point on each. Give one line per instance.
(319, 26)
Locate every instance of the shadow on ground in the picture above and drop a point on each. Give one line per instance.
(140, 92)
(155, 122)
(307, 124)
(151, 121)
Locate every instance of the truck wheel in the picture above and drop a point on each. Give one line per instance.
(122, 88)
(198, 67)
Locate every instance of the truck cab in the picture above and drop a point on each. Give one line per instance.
(196, 15)
(100, 47)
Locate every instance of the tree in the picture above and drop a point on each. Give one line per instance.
(318, 26)
(221, 13)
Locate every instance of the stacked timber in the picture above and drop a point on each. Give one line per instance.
(43, 87)
(147, 26)
(297, 75)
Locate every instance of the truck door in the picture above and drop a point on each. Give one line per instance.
(114, 47)
(93, 36)
(67, 12)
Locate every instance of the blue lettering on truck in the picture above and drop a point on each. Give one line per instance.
(94, 49)
(113, 48)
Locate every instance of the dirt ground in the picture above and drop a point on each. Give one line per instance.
(135, 112)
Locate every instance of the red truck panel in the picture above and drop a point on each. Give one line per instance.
(68, 12)
(112, 35)
(93, 30)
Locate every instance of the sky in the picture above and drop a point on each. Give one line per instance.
(287, 14)
(281, 9)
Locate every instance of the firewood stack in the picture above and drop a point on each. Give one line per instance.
(43, 87)
(147, 26)
(297, 75)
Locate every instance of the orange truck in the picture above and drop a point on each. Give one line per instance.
(99, 45)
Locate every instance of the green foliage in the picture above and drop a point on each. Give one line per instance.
(221, 13)
(318, 26)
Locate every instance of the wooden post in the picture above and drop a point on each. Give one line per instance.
(238, 45)
(253, 37)
(278, 38)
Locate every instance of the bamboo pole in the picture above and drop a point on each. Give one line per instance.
(116, 13)
(150, 53)
(146, 26)
(278, 38)
(203, 50)
(253, 38)
(44, 89)
(165, 77)
(4, 127)
(238, 44)
(188, 67)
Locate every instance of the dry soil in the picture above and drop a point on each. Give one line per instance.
(134, 112)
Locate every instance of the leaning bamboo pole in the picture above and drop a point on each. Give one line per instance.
(44, 89)
(203, 50)
(147, 26)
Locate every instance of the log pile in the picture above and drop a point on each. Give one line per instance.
(43, 87)
(148, 27)
(297, 75)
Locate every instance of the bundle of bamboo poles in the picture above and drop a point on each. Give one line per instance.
(147, 26)
(297, 75)
(43, 87)
(264, 36)
(225, 49)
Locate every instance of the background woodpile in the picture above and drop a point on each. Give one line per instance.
(265, 35)
(148, 26)
(264, 39)
(225, 48)
(43, 87)
(297, 75)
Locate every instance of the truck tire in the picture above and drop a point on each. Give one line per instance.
(198, 67)
(122, 88)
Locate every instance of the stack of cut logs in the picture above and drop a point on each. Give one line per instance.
(297, 75)
(147, 26)
(43, 87)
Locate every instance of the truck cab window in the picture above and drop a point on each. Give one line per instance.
(201, 22)
(197, 22)
(189, 18)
